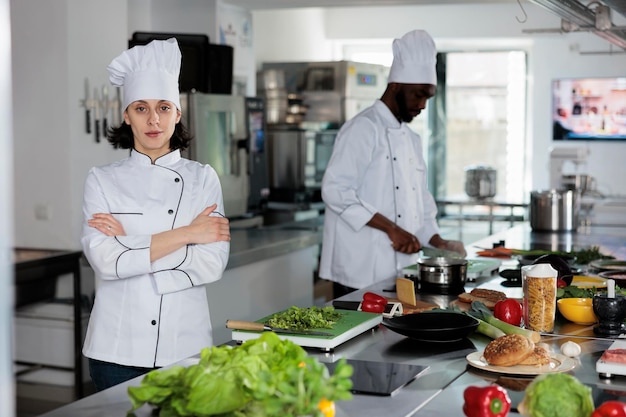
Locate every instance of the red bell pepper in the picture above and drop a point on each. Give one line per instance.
(611, 408)
(489, 401)
(373, 303)
(509, 310)
(370, 296)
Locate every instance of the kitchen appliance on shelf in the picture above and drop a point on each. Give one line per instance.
(307, 104)
(333, 91)
(256, 117)
(565, 161)
(297, 161)
(220, 130)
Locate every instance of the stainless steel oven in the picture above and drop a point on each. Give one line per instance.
(297, 160)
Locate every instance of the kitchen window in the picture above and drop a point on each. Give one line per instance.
(477, 118)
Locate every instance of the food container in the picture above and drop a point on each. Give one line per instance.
(442, 275)
(539, 287)
(480, 181)
(577, 310)
(554, 210)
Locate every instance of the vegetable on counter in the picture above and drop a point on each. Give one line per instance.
(489, 401)
(481, 312)
(297, 318)
(583, 256)
(610, 408)
(261, 377)
(509, 311)
(556, 395)
(483, 328)
(373, 303)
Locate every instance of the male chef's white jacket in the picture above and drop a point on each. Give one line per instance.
(376, 166)
(150, 314)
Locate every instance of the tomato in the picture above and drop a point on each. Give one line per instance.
(326, 407)
(509, 310)
(560, 283)
(372, 307)
(370, 296)
(610, 408)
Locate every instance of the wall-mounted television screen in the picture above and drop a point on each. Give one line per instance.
(589, 109)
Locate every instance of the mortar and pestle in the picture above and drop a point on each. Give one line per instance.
(610, 309)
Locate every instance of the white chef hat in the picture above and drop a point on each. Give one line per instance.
(414, 59)
(148, 72)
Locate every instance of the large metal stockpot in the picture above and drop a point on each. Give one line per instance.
(442, 275)
(554, 210)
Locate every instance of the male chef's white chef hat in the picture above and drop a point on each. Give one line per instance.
(414, 59)
(148, 72)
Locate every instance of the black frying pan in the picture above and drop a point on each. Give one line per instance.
(439, 326)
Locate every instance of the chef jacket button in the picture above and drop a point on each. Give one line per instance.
(176, 179)
(153, 322)
(170, 211)
(397, 188)
(394, 158)
(399, 215)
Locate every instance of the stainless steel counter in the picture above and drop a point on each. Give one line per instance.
(252, 245)
(439, 391)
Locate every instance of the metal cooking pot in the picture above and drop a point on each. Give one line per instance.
(480, 181)
(442, 275)
(554, 210)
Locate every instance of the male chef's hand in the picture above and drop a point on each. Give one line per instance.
(455, 246)
(403, 241)
(107, 224)
(208, 228)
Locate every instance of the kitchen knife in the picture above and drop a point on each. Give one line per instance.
(97, 114)
(87, 104)
(440, 253)
(260, 327)
(105, 110)
(391, 309)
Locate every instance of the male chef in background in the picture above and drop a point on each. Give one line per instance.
(379, 212)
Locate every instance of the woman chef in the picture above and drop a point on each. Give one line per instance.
(379, 212)
(153, 231)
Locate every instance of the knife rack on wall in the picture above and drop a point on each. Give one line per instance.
(98, 105)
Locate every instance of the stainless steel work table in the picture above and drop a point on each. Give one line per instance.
(439, 391)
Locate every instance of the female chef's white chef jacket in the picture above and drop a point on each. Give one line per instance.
(150, 314)
(376, 166)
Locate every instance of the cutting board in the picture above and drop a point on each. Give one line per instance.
(350, 325)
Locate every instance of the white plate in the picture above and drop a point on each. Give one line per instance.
(558, 363)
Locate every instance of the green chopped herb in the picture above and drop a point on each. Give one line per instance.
(297, 318)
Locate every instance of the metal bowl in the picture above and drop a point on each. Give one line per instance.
(433, 326)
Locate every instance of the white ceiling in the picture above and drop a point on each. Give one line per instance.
(288, 4)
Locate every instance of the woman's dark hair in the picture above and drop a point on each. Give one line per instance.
(122, 137)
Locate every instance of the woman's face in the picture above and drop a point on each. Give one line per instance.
(152, 122)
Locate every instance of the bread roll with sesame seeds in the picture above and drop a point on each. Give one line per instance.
(508, 350)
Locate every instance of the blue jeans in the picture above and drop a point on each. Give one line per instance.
(105, 374)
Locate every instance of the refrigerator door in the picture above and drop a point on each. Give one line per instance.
(218, 124)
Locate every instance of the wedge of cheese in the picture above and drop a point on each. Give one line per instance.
(405, 288)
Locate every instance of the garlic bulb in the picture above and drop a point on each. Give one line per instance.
(571, 349)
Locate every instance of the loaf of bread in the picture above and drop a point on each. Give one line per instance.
(539, 356)
(486, 296)
(508, 350)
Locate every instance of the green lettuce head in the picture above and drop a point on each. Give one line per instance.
(556, 395)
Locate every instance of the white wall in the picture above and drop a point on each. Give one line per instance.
(280, 36)
(54, 49)
(64, 41)
(7, 387)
